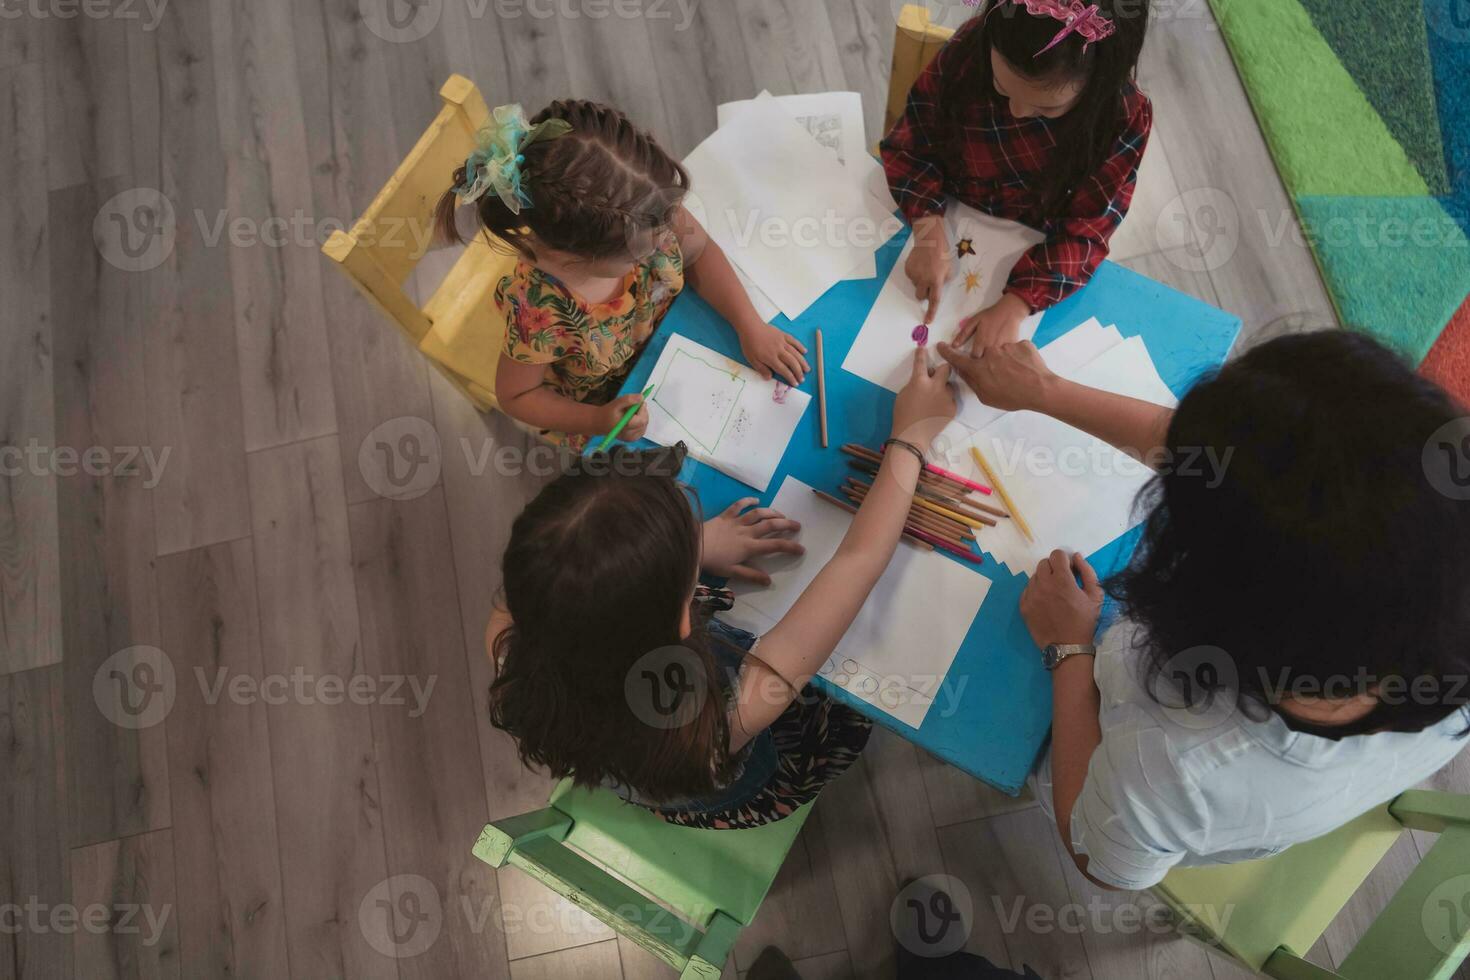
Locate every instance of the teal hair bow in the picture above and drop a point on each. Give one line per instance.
(496, 163)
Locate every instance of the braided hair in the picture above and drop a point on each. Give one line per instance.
(593, 190)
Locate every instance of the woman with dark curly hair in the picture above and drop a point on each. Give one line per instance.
(1294, 645)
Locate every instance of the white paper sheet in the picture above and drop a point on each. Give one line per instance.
(897, 652)
(883, 348)
(788, 214)
(835, 120)
(722, 410)
(1075, 492)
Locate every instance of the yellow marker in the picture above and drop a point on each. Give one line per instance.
(1001, 490)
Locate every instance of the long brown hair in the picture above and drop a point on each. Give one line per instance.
(592, 190)
(598, 575)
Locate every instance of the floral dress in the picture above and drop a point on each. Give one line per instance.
(587, 348)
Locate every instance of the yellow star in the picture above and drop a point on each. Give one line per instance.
(972, 281)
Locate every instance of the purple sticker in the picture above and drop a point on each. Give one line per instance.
(921, 334)
(779, 395)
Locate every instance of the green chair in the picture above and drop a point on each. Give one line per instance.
(1266, 914)
(682, 894)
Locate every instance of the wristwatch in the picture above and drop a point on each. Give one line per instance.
(1055, 653)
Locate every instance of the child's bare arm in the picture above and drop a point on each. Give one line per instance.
(807, 635)
(708, 270)
(523, 395)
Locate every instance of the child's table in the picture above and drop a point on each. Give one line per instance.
(993, 713)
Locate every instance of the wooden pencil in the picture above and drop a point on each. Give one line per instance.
(1000, 490)
(911, 538)
(822, 389)
(923, 519)
(964, 507)
(956, 484)
(940, 520)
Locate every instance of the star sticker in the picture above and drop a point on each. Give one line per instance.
(965, 247)
(972, 281)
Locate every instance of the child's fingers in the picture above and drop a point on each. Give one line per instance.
(734, 509)
(933, 305)
(778, 546)
(794, 364)
(796, 343)
(775, 525)
(750, 574)
(758, 514)
(921, 365)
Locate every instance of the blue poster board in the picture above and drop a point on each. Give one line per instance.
(993, 713)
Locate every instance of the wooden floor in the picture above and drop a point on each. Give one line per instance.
(265, 833)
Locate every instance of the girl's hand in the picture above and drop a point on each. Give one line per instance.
(734, 538)
(768, 349)
(929, 264)
(1056, 609)
(613, 412)
(926, 405)
(1009, 377)
(995, 325)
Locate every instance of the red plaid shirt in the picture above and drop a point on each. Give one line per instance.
(989, 159)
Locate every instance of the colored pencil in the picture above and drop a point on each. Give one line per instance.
(1000, 489)
(925, 520)
(958, 506)
(960, 485)
(822, 389)
(911, 536)
(627, 417)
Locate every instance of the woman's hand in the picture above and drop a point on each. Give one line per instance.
(613, 412)
(929, 263)
(1009, 377)
(995, 325)
(926, 405)
(745, 531)
(1056, 609)
(768, 349)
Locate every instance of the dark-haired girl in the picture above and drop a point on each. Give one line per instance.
(1029, 113)
(1295, 643)
(593, 205)
(611, 670)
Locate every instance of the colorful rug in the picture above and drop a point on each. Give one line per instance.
(1366, 107)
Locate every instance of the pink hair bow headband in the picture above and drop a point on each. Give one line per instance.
(1087, 21)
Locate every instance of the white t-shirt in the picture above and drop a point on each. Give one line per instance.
(1172, 786)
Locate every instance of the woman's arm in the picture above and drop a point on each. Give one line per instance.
(804, 639)
(708, 270)
(1058, 610)
(1013, 377)
(523, 394)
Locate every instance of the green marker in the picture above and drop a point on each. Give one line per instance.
(627, 417)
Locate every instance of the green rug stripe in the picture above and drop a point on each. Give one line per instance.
(1384, 45)
(1396, 266)
(1324, 134)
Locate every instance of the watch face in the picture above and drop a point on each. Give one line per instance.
(1051, 658)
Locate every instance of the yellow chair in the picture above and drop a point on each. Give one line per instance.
(459, 329)
(915, 44)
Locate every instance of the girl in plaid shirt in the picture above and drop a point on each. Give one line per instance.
(1029, 113)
